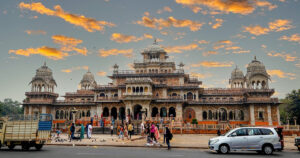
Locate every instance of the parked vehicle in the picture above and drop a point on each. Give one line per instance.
(260, 139)
(27, 131)
(297, 142)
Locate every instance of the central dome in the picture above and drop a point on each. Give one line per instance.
(154, 48)
(44, 74)
(88, 77)
(237, 74)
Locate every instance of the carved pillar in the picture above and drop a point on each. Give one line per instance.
(269, 115)
(252, 116)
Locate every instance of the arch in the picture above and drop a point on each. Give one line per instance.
(216, 115)
(210, 115)
(163, 112)
(204, 115)
(263, 84)
(116, 95)
(114, 113)
(141, 89)
(83, 114)
(129, 90)
(88, 113)
(133, 90)
(137, 112)
(71, 116)
(66, 114)
(146, 89)
(241, 115)
(174, 94)
(223, 114)
(189, 96)
(172, 112)
(121, 113)
(189, 114)
(57, 114)
(61, 116)
(154, 112)
(230, 115)
(102, 95)
(105, 112)
(137, 89)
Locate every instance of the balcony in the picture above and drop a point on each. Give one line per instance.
(133, 73)
(108, 99)
(63, 102)
(41, 93)
(262, 100)
(138, 96)
(202, 101)
(106, 87)
(169, 99)
(38, 101)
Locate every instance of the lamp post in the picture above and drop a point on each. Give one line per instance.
(295, 120)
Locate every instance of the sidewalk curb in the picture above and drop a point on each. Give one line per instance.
(140, 146)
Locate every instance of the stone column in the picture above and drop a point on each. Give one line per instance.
(30, 110)
(197, 96)
(200, 114)
(252, 116)
(164, 93)
(120, 93)
(269, 115)
(179, 111)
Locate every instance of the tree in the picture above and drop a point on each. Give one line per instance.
(10, 107)
(290, 107)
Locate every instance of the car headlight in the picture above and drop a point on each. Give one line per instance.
(214, 141)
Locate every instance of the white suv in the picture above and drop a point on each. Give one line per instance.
(260, 139)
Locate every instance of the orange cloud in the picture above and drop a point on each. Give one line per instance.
(165, 9)
(208, 53)
(69, 44)
(287, 57)
(281, 74)
(89, 24)
(121, 38)
(222, 44)
(48, 52)
(213, 64)
(199, 75)
(101, 73)
(275, 26)
(125, 52)
(203, 42)
(233, 48)
(36, 32)
(241, 51)
(179, 49)
(75, 69)
(218, 23)
(170, 21)
(243, 7)
(292, 38)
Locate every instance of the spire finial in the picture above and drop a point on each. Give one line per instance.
(155, 41)
(255, 57)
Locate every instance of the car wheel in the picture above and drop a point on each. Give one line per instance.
(38, 146)
(223, 149)
(25, 146)
(268, 149)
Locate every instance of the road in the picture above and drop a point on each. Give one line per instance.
(124, 152)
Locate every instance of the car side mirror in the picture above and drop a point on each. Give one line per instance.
(233, 135)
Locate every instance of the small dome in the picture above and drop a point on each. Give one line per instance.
(237, 74)
(256, 67)
(88, 77)
(154, 48)
(44, 74)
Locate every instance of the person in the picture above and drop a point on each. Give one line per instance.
(169, 137)
(164, 132)
(86, 130)
(72, 129)
(82, 132)
(130, 130)
(90, 128)
(152, 131)
(156, 134)
(58, 132)
(121, 135)
(111, 129)
(69, 131)
(126, 131)
(219, 132)
(142, 129)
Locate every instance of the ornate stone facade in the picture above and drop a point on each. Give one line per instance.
(158, 89)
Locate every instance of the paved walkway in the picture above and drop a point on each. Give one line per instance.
(181, 141)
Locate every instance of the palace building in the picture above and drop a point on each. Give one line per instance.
(157, 88)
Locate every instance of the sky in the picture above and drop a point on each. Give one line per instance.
(211, 37)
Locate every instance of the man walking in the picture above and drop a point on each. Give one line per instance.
(169, 137)
(72, 129)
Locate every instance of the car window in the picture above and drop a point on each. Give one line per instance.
(265, 131)
(241, 132)
(254, 131)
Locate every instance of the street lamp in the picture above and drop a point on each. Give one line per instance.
(74, 111)
(295, 120)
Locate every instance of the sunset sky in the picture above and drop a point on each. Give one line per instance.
(211, 37)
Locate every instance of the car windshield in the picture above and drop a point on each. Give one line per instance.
(225, 134)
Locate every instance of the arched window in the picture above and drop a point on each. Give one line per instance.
(116, 95)
(57, 114)
(210, 115)
(141, 89)
(242, 115)
(83, 114)
(222, 114)
(114, 113)
(230, 115)
(204, 115)
(137, 89)
(105, 112)
(129, 90)
(189, 96)
(61, 116)
(146, 89)
(174, 94)
(88, 113)
(172, 112)
(102, 95)
(154, 112)
(163, 112)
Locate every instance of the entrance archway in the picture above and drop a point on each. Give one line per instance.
(172, 112)
(137, 112)
(121, 113)
(154, 112)
(114, 113)
(105, 112)
(189, 114)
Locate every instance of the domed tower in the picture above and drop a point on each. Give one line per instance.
(257, 76)
(88, 81)
(237, 79)
(43, 80)
(154, 53)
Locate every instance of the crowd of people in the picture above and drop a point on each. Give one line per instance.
(124, 131)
